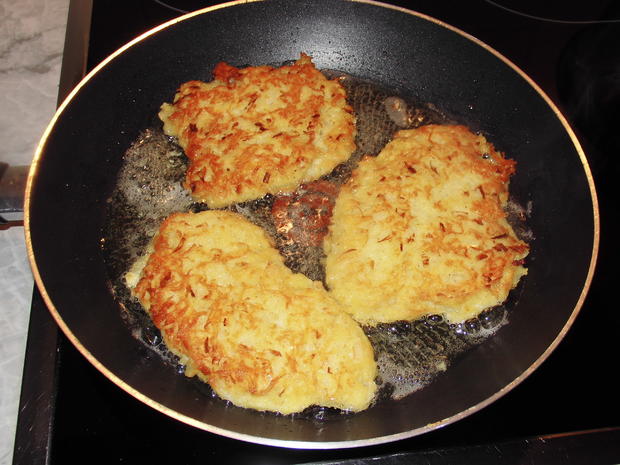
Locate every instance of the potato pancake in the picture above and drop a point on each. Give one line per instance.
(421, 229)
(262, 336)
(259, 130)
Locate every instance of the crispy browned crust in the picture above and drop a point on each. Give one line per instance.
(421, 229)
(260, 335)
(259, 130)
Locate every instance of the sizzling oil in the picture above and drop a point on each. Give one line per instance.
(149, 188)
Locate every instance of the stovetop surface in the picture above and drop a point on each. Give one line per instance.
(89, 417)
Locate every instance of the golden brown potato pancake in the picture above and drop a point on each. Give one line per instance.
(421, 229)
(259, 130)
(262, 336)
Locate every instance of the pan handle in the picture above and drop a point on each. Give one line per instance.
(12, 188)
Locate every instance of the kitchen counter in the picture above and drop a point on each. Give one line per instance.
(32, 36)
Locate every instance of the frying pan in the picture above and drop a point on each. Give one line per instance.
(81, 151)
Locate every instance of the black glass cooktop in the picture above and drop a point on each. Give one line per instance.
(565, 412)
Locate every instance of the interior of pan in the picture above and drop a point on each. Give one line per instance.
(413, 55)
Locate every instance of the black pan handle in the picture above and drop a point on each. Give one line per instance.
(12, 189)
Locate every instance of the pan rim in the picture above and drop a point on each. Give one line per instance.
(296, 444)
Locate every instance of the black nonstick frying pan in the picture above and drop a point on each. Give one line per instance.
(81, 153)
